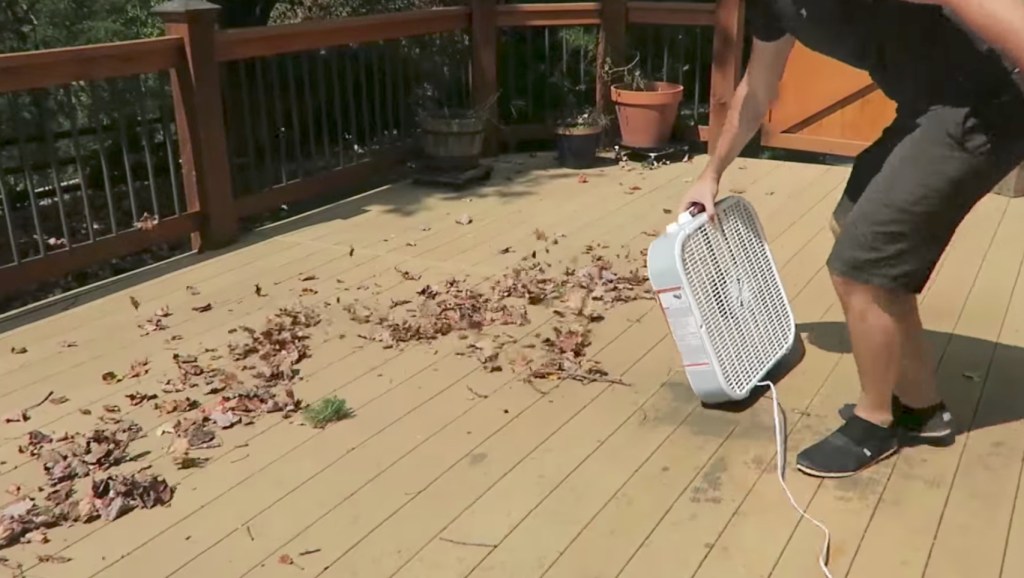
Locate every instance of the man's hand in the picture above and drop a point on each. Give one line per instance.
(701, 196)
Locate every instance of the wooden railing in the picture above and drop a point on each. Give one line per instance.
(204, 128)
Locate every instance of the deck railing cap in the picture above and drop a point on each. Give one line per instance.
(174, 10)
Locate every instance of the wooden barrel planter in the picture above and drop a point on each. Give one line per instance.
(646, 117)
(452, 140)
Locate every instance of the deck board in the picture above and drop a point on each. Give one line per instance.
(450, 471)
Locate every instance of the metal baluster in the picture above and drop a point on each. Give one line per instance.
(548, 73)
(170, 148)
(696, 79)
(335, 74)
(122, 132)
(321, 59)
(530, 73)
(9, 219)
(100, 135)
(310, 114)
(26, 167)
(293, 102)
(350, 85)
(375, 50)
(250, 139)
(141, 106)
(265, 110)
(48, 115)
(76, 150)
(279, 121)
(361, 53)
(389, 92)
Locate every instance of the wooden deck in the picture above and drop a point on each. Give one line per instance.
(449, 471)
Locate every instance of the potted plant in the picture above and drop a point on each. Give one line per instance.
(577, 138)
(646, 110)
(452, 138)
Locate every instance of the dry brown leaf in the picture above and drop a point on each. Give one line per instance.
(58, 400)
(52, 559)
(203, 308)
(464, 219)
(68, 344)
(146, 222)
(135, 302)
(164, 311)
(193, 291)
(19, 350)
(285, 559)
(306, 278)
(259, 291)
(582, 179)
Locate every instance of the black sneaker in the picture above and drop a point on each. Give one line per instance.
(932, 425)
(856, 445)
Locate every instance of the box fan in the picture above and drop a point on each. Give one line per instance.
(720, 291)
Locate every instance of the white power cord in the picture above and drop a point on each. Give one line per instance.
(780, 459)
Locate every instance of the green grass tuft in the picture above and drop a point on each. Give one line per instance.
(326, 411)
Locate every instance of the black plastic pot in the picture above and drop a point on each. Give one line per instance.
(577, 146)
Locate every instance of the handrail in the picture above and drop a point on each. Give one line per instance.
(672, 14)
(304, 36)
(562, 14)
(46, 68)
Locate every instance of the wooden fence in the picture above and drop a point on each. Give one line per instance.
(234, 140)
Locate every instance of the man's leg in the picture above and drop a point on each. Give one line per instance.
(915, 386)
(887, 248)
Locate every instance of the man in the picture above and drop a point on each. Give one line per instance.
(959, 130)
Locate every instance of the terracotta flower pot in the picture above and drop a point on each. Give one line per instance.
(646, 117)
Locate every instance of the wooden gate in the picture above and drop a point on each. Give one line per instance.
(825, 106)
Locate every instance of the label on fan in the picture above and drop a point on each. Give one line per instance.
(683, 325)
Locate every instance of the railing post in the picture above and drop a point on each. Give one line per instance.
(484, 73)
(611, 46)
(726, 62)
(199, 115)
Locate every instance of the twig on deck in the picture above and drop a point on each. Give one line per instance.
(462, 543)
(44, 400)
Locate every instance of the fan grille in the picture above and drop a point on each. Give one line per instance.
(742, 306)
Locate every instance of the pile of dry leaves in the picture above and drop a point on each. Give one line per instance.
(81, 485)
(576, 295)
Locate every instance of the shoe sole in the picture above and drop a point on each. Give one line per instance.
(835, 475)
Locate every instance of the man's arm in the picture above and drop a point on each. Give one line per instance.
(1000, 23)
(754, 95)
